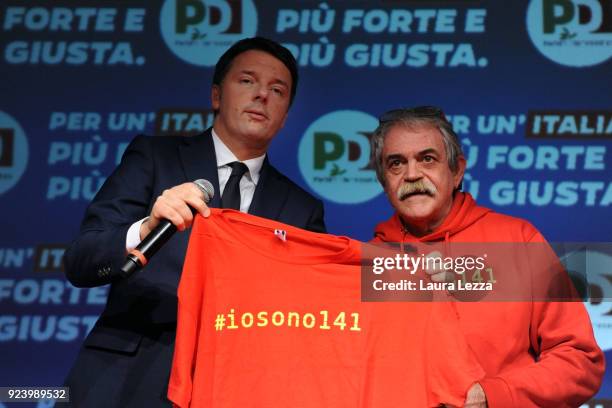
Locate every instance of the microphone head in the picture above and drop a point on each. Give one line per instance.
(206, 188)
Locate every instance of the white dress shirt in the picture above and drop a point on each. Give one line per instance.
(224, 156)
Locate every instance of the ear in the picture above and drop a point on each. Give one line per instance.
(284, 119)
(215, 97)
(458, 176)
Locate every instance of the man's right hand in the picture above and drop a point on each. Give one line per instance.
(174, 205)
(439, 275)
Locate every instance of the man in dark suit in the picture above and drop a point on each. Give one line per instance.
(126, 359)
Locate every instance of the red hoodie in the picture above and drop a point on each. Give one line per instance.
(535, 354)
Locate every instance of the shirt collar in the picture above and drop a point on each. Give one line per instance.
(225, 156)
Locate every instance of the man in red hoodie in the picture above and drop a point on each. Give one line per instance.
(535, 354)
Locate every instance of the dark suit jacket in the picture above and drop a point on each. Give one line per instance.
(115, 366)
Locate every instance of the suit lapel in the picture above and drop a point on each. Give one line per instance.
(270, 195)
(197, 155)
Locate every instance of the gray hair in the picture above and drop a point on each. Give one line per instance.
(428, 116)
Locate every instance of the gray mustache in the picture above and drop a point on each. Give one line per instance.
(416, 187)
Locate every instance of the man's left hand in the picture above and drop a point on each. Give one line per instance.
(476, 397)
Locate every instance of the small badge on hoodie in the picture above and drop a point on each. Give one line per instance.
(281, 234)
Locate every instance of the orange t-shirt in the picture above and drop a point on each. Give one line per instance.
(270, 315)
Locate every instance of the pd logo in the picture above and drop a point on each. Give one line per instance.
(13, 152)
(599, 306)
(576, 33)
(334, 157)
(199, 31)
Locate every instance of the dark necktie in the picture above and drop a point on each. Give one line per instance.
(231, 193)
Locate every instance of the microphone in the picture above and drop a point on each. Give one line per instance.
(139, 256)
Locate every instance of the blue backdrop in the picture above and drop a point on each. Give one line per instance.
(526, 84)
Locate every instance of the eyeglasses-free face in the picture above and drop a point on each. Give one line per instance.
(416, 157)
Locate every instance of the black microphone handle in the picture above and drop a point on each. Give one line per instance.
(139, 256)
(149, 246)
